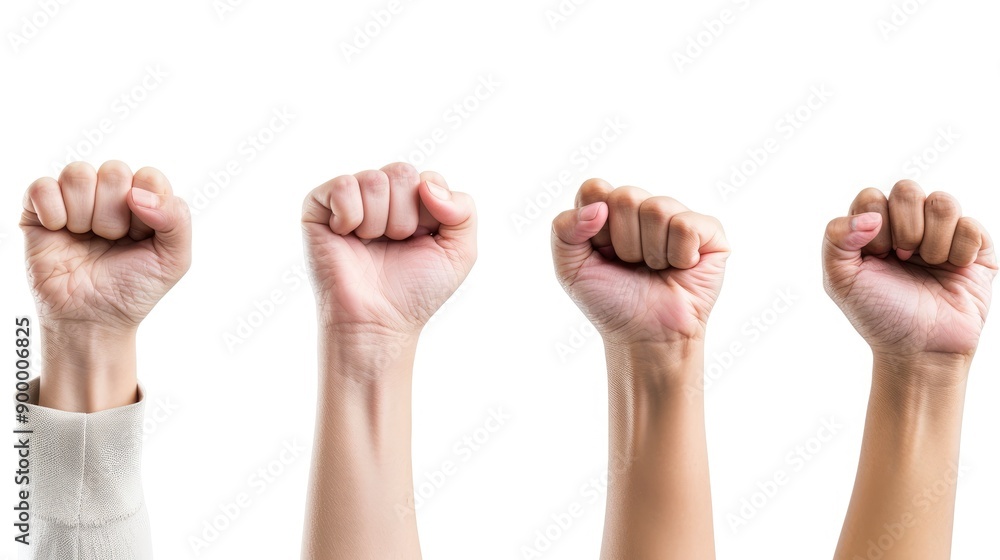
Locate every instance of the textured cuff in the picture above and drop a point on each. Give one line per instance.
(85, 483)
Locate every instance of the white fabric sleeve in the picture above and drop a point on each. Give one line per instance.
(85, 484)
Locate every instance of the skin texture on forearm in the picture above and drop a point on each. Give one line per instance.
(87, 369)
(659, 496)
(903, 505)
(360, 503)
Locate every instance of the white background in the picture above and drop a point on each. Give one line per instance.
(497, 344)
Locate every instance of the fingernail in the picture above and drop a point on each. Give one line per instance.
(439, 191)
(589, 212)
(866, 222)
(145, 198)
(903, 254)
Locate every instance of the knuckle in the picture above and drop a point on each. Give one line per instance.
(657, 208)
(682, 224)
(373, 180)
(871, 193)
(343, 184)
(594, 185)
(870, 199)
(38, 187)
(78, 171)
(967, 227)
(400, 168)
(907, 190)
(942, 204)
(629, 196)
(116, 171)
(593, 190)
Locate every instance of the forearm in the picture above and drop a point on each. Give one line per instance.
(904, 496)
(659, 497)
(87, 368)
(360, 503)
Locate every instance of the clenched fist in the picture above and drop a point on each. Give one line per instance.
(102, 247)
(643, 268)
(911, 273)
(387, 248)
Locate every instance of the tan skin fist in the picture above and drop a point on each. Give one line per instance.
(913, 275)
(643, 268)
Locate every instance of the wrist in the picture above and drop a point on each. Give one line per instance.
(367, 356)
(87, 367)
(656, 394)
(920, 384)
(365, 387)
(922, 370)
(916, 407)
(689, 332)
(652, 367)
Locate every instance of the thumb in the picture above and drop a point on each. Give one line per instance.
(170, 220)
(572, 232)
(455, 211)
(845, 238)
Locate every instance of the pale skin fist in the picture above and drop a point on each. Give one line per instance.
(910, 272)
(642, 268)
(387, 248)
(102, 247)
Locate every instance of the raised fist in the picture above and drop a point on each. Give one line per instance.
(102, 247)
(910, 272)
(387, 248)
(642, 268)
